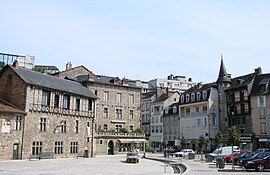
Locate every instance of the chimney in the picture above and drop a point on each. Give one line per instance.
(258, 71)
(15, 64)
(68, 66)
(125, 82)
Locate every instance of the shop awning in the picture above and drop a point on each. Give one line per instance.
(132, 140)
(264, 140)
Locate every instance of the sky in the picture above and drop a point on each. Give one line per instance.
(140, 39)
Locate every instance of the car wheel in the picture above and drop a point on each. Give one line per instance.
(260, 167)
(137, 161)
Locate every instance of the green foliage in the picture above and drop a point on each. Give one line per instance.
(123, 130)
(219, 137)
(202, 141)
(183, 142)
(37, 70)
(138, 130)
(234, 137)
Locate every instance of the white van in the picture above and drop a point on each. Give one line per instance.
(224, 151)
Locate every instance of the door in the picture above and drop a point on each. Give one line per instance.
(110, 148)
(16, 151)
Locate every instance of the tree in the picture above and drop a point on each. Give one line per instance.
(219, 138)
(183, 142)
(234, 136)
(138, 130)
(201, 143)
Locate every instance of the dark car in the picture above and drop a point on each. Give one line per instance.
(229, 158)
(243, 156)
(260, 155)
(259, 164)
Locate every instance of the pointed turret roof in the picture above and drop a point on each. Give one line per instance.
(223, 75)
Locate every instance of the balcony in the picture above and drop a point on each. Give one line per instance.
(238, 99)
(51, 109)
(119, 134)
(238, 112)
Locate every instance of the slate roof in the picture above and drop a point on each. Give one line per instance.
(171, 109)
(241, 81)
(6, 107)
(198, 88)
(42, 80)
(161, 98)
(261, 80)
(148, 94)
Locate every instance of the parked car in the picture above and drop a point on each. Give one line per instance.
(229, 158)
(183, 153)
(259, 164)
(223, 151)
(263, 150)
(132, 157)
(255, 156)
(243, 156)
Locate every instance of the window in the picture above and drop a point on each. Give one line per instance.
(187, 98)
(96, 92)
(105, 127)
(182, 98)
(187, 111)
(77, 126)
(261, 101)
(73, 147)
(46, 98)
(119, 98)
(174, 109)
(18, 123)
(36, 148)
(77, 105)
(131, 115)
(106, 96)
(105, 113)
(56, 101)
(199, 122)
(197, 109)
(100, 141)
(262, 113)
(204, 95)
(58, 147)
(147, 107)
(198, 96)
(205, 109)
(90, 104)
(263, 128)
(166, 111)
(192, 96)
(131, 128)
(66, 101)
(143, 107)
(42, 124)
(118, 127)
(119, 113)
(64, 126)
(131, 98)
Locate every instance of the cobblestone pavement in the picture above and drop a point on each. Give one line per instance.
(114, 165)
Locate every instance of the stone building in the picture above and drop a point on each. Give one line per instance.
(60, 113)
(260, 105)
(198, 108)
(162, 102)
(117, 124)
(171, 125)
(11, 131)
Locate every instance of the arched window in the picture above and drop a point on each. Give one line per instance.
(192, 96)
(198, 95)
(204, 95)
(187, 97)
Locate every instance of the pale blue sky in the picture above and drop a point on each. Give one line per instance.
(140, 39)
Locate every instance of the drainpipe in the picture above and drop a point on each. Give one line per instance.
(22, 137)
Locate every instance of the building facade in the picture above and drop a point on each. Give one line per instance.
(25, 61)
(59, 113)
(260, 107)
(198, 108)
(117, 124)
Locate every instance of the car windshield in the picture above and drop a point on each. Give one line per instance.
(132, 154)
(267, 157)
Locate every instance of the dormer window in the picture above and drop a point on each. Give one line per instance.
(187, 98)
(198, 96)
(204, 95)
(182, 98)
(174, 109)
(166, 111)
(192, 96)
(262, 87)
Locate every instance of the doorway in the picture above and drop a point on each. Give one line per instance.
(15, 151)
(110, 148)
